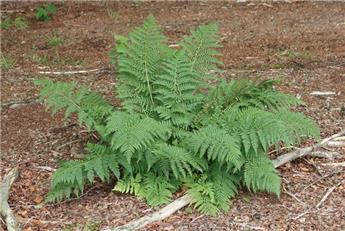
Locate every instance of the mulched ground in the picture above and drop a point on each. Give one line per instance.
(301, 43)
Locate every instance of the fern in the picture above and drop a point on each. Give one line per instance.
(201, 48)
(216, 144)
(175, 129)
(71, 176)
(138, 67)
(180, 161)
(258, 130)
(130, 133)
(154, 188)
(260, 174)
(91, 108)
(213, 190)
(175, 90)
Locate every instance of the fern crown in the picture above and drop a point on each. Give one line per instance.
(174, 128)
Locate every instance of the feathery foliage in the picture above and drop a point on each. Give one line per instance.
(175, 129)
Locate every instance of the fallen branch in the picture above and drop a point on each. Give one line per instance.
(17, 103)
(328, 155)
(156, 216)
(5, 210)
(336, 144)
(98, 70)
(323, 93)
(185, 200)
(283, 159)
(341, 164)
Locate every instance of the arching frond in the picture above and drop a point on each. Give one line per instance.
(201, 48)
(130, 132)
(140, 64)
(260, 174)
(216, 144)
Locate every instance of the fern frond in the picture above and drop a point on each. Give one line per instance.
(298, 126)
(260, 174)
(142, 61)
(181, 162)
(178, 82)
(258, 130)
(213, 190)
(158, 190)
(176, 90)
(132, 133)
(201, 49)
(72, 175)
(91, 108)
(155, 189)
(216, 144)
(245, 93)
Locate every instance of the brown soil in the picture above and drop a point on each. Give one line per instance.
(301, 43)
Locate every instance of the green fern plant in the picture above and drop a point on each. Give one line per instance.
(175, 129)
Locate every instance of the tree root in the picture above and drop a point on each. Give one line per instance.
(185, 200)
(5, 210)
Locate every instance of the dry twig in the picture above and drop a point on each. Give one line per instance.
(329, 191)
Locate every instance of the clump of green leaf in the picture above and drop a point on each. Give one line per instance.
(113, 15)
(19, 23)
(6, 23)
(7, 62)
(45, 12)
(54, 40)
(175, 129)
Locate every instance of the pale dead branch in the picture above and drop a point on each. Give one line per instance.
(327, 154)
(5, 210)
(323, 93)
(283, 159)
(156, 216)
(341, 164)
(98, 70)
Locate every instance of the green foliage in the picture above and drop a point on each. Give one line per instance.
(54, 40)
(260, 174)
(201, 48)
(7, 62)
(44, 13)
(156, 189)
(113, 15)
(19, 23)
(6, 23)
(211, 191)
(175, 129)
(131, 134)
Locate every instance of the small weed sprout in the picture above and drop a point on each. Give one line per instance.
(45, 13)
(7, 62)
(20, 23)
(113, 15)
(6, 24)
(54, 41)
